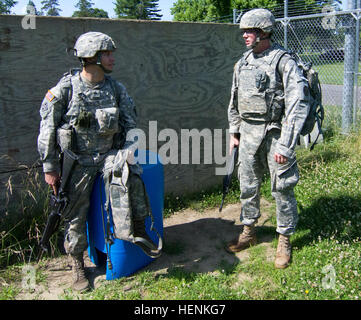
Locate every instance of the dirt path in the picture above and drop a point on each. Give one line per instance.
(198, 239)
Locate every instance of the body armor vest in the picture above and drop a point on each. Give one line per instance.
(260, 88)
(94, 116)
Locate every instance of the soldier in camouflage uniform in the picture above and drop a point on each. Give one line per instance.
(90, 113)
(268, 107)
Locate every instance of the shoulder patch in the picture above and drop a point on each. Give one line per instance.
(50, 96)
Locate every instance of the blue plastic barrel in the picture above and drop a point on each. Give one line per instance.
(126, 257)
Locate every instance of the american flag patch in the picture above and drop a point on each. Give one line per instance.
(50, 96)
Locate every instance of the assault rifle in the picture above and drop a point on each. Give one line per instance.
(59, 202)
(228, 177)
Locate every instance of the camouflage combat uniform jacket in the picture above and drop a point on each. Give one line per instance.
(92, 121)
(268, 107)
(99, 117)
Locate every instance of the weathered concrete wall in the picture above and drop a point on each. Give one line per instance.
(179, 74)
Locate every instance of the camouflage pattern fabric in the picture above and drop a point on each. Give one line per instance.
(258, 19)
(273, 127)
(80, 188)
(125, 193)
(88, 44)
(129, 202)
(261, 97)
(295, 105)
(253, 165)
(99, 118)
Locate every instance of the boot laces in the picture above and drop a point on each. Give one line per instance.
(284, 245)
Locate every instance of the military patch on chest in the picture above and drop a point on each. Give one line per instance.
(50, 96)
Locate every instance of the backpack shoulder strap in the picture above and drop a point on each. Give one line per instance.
(68, 77)
(283, 58)
(114, 88)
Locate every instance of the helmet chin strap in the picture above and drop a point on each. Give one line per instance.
(97, 62)
(258, 40)
(106, 70)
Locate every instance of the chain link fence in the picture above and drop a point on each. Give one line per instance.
(331, 42)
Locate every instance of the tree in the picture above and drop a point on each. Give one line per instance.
(304, 7)
(51, 7)
(191, 10)
(6, 5)
(137, 9)
(84, 7)
(86, 10)
(32, 4)
(99, 13)
(215, 10)
(251, 4)
(201, 10)
(221, 10)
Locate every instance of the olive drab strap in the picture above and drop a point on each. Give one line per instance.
(154, 252)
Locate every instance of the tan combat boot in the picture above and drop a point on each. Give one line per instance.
(283, 253)
(80, 282)
(246, 239)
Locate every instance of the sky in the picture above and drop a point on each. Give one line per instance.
(68, 7)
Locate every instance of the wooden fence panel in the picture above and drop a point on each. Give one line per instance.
(178, 74)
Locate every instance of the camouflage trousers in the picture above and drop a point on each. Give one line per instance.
(284, 177)
(79, 191)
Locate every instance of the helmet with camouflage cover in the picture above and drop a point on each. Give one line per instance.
(262, 19)
(90, 43)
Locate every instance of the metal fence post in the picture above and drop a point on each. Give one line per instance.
(349, 63)
(285, 26)
(357, 16)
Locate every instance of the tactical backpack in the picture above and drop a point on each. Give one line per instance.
(316, 112)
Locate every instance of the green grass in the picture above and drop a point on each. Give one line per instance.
(20, 226)
(202, 200)
(326, 246)
(326, 243)
(333, 73)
